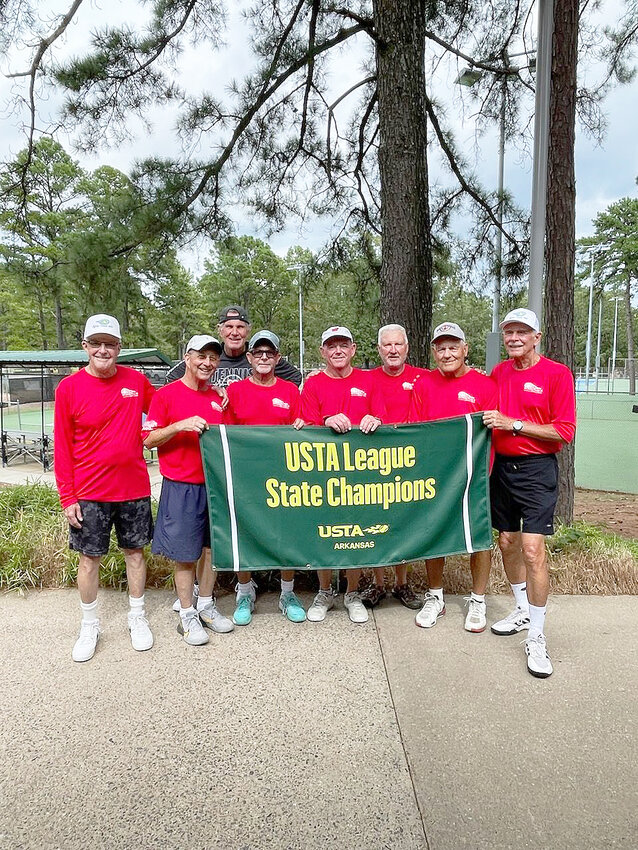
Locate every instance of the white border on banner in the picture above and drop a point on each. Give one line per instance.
(469, 463)
(230, 495)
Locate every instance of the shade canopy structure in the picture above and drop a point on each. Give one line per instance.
(47, 359)
(36, 444)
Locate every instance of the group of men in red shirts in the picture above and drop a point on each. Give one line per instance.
(528, 404)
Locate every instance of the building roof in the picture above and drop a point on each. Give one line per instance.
(56, 357)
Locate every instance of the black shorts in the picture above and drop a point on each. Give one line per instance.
(523, 493)
(182, 528)
(133, 523)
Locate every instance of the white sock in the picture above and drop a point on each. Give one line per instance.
(520, 594)
(438, 592)
(536, 621)
(287, 586)
(187, 612)
(89, 611)
(202, 601)
(245, 588)
(137, 605)
(477, 597)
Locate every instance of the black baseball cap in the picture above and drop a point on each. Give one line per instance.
(233, 313)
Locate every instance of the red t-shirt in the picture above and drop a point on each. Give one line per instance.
(356, 396)
(543, 394)
(397, 391)
(97, 446)
(254, 404)
(438, 396)
(180, 458)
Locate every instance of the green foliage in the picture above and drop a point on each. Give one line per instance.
(583, 537)
(34, 544)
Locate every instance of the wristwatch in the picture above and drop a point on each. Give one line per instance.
(517, 427)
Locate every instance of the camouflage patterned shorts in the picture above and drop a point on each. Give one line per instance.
(133, 523)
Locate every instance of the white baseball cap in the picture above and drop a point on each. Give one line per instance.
(335, 331)
(102, 324)
(201, 341)
(524, 316)
(448, 329)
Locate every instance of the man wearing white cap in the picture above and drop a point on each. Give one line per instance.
(536, 416)
(453, 389)
(341, 397)
(179, 413)
(101, 475)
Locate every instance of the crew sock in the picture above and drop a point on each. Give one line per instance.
(477, 597)
(287, 586)
(438, 592)
(137, 605)
(203, 601)
(520, 595)
(536, 620)
(89, 611)
(245, 588)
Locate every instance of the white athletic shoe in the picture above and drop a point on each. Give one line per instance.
(192, 629)
(214, 619)
(322, 603)
(433, 608)
(476, 619)
(357, 611)
(514, 622)
(538, 661)
(141, 634)
(84, 647)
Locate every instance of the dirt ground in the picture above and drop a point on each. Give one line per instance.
(617, 512)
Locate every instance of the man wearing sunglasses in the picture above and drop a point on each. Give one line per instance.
(264, 399)
(101, 475)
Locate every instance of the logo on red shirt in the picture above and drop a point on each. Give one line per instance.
(356, 391)
(529, 387)
(126, 393)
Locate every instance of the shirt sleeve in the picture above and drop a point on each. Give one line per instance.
(149, 392)
(63, 447)
(228, 416)
(158, 415)
(285, 370)
(310, 406)
(295, 406)
(563, 405)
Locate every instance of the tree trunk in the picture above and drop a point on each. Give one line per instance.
(406, 264)
(59, 324)
(631, 362)
(558, 305)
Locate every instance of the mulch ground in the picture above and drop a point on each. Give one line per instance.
(617, 512)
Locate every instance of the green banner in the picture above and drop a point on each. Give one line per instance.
(312, 499)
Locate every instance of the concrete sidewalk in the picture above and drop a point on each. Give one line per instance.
(318, 735)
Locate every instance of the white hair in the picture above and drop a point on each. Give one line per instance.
(390, 329)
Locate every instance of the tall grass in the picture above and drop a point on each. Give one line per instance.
(34, 553)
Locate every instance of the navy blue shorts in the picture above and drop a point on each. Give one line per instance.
(181, 528)
(132, 519)
(523, 493)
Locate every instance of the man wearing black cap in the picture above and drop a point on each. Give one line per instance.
(234, 328)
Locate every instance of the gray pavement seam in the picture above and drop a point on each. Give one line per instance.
(398, 723)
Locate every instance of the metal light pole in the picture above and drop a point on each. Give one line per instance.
(298, 268)
(301, 352)
(541, 146)
(600, 325)
(613, 350)
(588, 346)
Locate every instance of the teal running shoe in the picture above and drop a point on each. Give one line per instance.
(291, 606)
(243, 611)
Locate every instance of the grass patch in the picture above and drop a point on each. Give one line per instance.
(583, 559)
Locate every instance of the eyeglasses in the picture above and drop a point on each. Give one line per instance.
(110, 346)
(264, 354)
